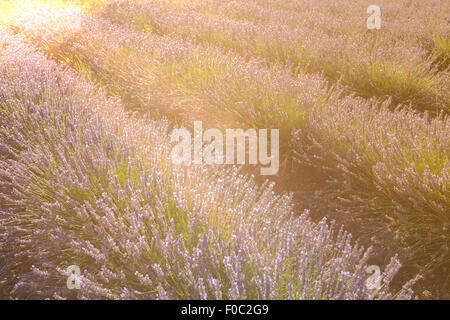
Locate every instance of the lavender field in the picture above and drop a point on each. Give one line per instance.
(356, 204)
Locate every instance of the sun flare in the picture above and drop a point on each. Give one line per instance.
(11, 10)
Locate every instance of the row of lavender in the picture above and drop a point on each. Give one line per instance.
(82, 183)
(390, 183)
(325, 37)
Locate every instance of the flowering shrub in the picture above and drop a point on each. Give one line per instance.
(391, 183)
(395, 64)
(82, 182)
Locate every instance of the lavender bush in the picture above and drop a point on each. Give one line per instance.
(82, 182)
(398, 64)
(391, 183)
